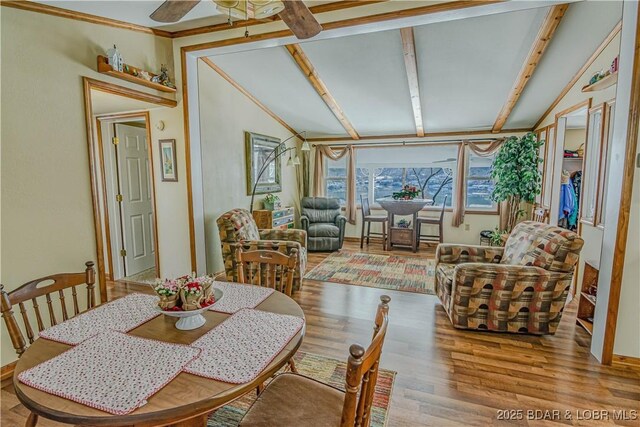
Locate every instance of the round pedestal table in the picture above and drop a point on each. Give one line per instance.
(184, 402)
(399, 236)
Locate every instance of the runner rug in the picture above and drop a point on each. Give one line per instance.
(324, 369)
(400, 273)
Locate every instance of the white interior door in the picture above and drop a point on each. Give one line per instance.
(137, 204)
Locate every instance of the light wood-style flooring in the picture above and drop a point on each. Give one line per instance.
(449, 377)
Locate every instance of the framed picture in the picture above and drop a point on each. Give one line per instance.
(258, 152)
(168, 162)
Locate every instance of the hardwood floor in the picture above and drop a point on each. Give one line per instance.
(452, 377)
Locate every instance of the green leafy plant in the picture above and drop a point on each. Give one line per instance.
(496, 237)
(271, 198)
(516, 175)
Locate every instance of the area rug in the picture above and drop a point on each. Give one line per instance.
(324, 369)
(400, 273)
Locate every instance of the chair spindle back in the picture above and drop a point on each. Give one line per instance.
(366, 209)
(540, 214)
(362, 372)
(32, 291)
(271, 269)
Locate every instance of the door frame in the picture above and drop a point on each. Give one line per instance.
(90, 84)
(113, 120)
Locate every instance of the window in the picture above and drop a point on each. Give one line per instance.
(336, 179)
(479, 185)
(382, 171)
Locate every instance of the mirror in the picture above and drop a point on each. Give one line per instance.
(258, 150)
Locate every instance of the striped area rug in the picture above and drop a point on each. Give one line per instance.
(409, 274)
(324, 369)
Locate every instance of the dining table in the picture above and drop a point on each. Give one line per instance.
(403, 236)
(186, 401)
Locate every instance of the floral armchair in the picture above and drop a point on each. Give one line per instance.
(237, 228)
(520, 288)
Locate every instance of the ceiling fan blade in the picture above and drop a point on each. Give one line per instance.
(173, 10)
(299, 19)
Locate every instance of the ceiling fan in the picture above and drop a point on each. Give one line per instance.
(294, 13)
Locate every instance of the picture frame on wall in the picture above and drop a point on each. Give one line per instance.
(168, 161)
(258, 150)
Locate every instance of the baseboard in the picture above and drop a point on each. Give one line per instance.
(626, 360)
(6, 371)
(351, 239)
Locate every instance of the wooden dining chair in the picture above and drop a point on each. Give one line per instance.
(367, 219)
(297, 400)
(540, 214)
(434, 238)
(271, 269)
(45, 287)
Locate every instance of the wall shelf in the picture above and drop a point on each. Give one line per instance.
(603, 83)
(105, 68)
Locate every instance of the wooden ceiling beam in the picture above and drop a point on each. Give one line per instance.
(246, 93)
(312, 76)
(614, 32)
(540, 44)
(411, 67)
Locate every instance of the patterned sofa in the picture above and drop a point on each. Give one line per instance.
(238, 229)
(520, 288)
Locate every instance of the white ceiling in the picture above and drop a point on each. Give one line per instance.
(583, 28)
(138, 11)
(466, 69)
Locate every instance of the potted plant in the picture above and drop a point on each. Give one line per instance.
(517, 176)
(408, 192)
(271, 202)
(499, 238)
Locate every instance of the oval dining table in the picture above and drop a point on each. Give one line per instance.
(185, 402)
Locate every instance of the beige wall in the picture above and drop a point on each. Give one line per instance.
(47, 216)
(225, 114)
(574, 138)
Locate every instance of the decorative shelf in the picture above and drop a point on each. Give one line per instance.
(105, 68)
(586, 325)
(590, 298)
(603, 83)
(573, 158)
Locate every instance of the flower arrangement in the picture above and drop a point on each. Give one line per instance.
(185, 293)
(408, 192)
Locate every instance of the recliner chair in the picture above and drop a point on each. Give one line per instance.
(323, 222)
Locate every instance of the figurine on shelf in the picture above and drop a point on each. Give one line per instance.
(163, 77)
(114, 58)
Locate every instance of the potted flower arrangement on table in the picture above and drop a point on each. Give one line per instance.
(186, 297)
(408, 192)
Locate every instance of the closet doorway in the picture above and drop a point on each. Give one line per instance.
(571, 145)
(571, 142)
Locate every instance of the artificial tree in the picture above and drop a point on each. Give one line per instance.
(516, 174)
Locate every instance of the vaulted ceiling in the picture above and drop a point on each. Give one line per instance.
(466, 70)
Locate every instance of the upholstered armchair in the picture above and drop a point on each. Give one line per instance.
(238, 229)
(323, 222)
(520, 288)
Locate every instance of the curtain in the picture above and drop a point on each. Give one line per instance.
(482, 150)
(318, 176)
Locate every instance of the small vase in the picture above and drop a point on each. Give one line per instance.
(168, 302)
(189, 301)
(268, 206)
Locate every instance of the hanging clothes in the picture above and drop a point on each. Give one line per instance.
(576, 183)
(567, 200)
